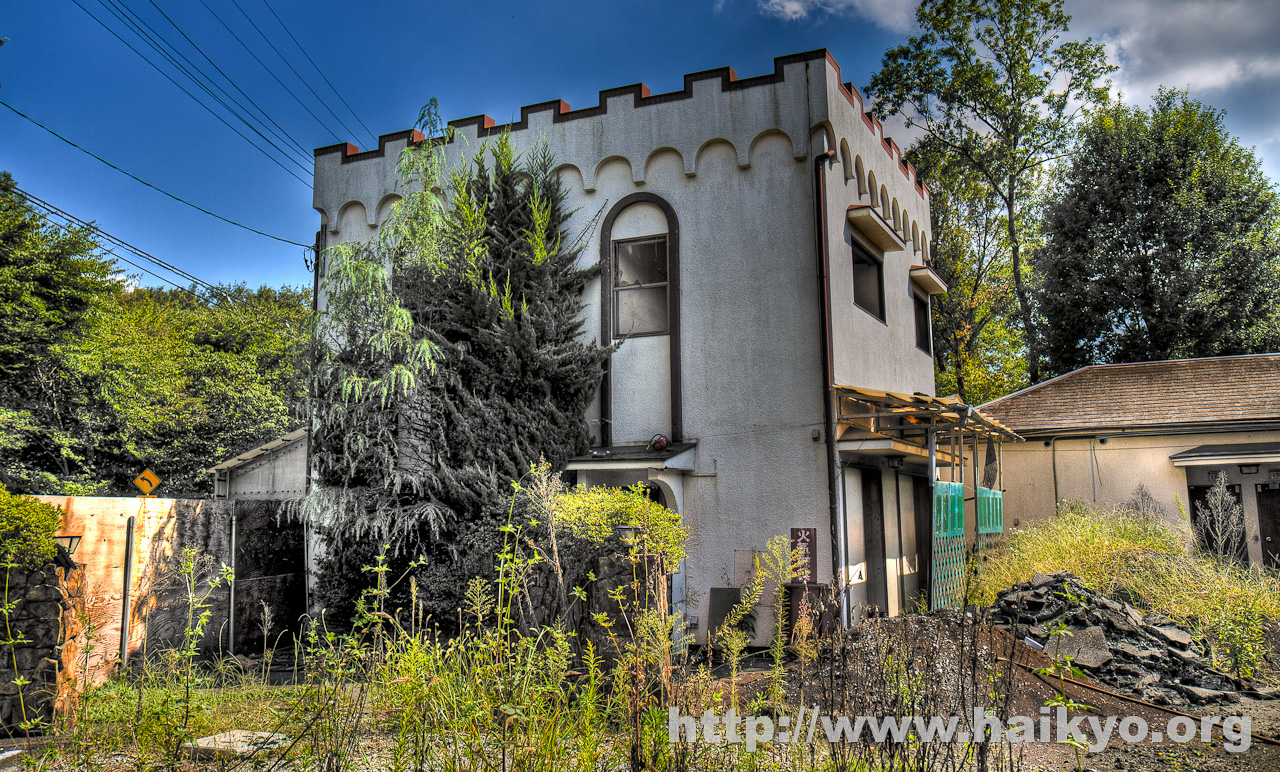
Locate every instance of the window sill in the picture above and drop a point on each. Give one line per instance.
(870, 314)
(872, 224)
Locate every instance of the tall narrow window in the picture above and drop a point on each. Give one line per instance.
(641, 296)
(868, 282)
(924, 339)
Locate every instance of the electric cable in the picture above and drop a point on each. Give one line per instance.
(183, 89)
(263, 35)
(117, 241)
(148, 184)
(153, 38)
(318, 70)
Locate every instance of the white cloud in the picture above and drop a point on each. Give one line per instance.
(1224, 52)
(894, 15)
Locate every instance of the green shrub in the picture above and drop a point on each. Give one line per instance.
(27, 528)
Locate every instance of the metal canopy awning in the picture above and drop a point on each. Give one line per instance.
(678, 456)
(261, 450)
(1239, 453)
(864, 412)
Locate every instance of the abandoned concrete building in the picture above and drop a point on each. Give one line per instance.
(779, 335)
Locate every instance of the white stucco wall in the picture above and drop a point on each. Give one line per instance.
(736, 167)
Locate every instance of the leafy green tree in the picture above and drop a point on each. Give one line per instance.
(51, 283)
(495, 373)
(978, 346)
(990, 81)
(98, 381)
(1163, 243)
(177, 385)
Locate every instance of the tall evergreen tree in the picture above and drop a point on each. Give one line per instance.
(498, 303)
(1163, 243)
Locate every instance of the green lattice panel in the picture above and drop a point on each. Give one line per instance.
(948, 544)
(948, 570)
(990, 505)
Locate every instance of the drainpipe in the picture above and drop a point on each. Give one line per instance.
(839, 543)
(1053, 454)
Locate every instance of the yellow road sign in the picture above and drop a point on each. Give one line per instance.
(147, 481)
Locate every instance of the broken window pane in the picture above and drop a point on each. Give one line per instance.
(640, 311)
(641, 262)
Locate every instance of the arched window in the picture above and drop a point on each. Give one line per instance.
(640, 299)
(862, 179)
(884, 203)
(640, 272)
(871, 185)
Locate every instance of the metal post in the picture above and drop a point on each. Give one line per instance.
(231, 616)
(128, 581)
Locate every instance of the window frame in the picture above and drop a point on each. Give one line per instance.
(868, 258)
(925, 302)
(615, 289)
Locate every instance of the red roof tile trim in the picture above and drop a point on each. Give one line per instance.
(560, 112)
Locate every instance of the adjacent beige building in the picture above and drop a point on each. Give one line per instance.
(1097, 433)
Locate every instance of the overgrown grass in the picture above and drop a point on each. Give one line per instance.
(1154, 565)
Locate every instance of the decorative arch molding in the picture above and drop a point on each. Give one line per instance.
(763, 136)
(606, 309)
(828, 133)
(385, 205)
(713, 142)
(665, 149)
(567, 172)
(590, 184)
(347, 213)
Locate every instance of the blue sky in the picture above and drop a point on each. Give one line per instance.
(386, 59)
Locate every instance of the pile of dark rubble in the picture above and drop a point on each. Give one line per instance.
(1146, 656)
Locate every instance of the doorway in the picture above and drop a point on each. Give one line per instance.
(873, 535)
(1269, 524)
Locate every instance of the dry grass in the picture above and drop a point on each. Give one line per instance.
(1154, 565)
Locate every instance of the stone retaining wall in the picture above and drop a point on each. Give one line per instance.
(45, 626)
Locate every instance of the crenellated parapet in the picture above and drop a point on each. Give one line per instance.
(803, 99)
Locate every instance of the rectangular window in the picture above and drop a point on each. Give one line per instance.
(640, 287)
(924, 339)
(868, 282)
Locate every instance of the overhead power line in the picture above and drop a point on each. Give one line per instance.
(270, 72)
(117, 241)
(184, 90)
(319, 98)
(318, 70)
(280, 132)
(148, 184)
(161, 45)
(71, 222)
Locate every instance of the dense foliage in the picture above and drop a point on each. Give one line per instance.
(27, 528)
(1163, 243)
(978, 345)
(450, 361)
(992, 83)
(100, 380)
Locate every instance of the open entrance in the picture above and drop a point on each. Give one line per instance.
(1269, 524)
